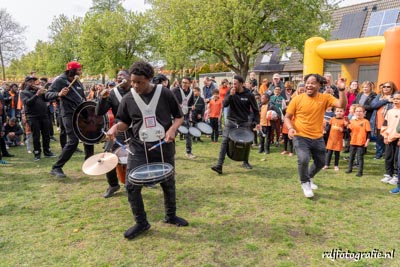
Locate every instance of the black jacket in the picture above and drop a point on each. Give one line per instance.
(35, 106)
(104, 104)
(75, 96)
(241, 105)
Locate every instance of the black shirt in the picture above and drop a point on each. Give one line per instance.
(241, 105)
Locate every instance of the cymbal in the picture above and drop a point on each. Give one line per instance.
(100, 163)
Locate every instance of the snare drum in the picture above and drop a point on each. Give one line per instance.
(183, 130)
(239, 145)
(204, 128)
(193, 131)
(152, 173)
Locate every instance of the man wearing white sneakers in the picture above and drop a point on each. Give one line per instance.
(306, 130)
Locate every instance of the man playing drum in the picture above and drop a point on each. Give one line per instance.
(72, 94)
(148, 110)
(241, 102)
(111, 99)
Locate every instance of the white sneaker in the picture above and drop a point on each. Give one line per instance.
(313, 186)
(307, 189)
(190, 156)
(394, 180)
(386, 178)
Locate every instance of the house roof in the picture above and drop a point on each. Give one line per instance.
(349, 22)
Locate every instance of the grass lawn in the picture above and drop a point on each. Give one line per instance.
(256, 217)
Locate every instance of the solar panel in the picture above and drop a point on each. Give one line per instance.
(390, 16)
(380, 21)
(351, 25)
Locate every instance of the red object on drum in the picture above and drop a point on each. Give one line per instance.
(110, 117)
(121, 173)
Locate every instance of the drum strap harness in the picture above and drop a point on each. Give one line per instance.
(74, 90)
(117, 94)
(151, 130)
(185, 100)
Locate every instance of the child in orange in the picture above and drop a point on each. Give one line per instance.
(214, 112)
(268, 116)
(360, 134)
(335, 141)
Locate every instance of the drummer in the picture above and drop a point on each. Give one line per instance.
(70, 100)
(111, 99)
(240, 101)
(157, 116)
(186, 99)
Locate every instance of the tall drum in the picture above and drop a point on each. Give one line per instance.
(239, 145)
(87, 126)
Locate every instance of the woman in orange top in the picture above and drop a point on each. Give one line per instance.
(360, 134)
(335, 140)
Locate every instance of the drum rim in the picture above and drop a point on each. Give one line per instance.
(195, 129)
(75, 116)
(210, 130)
(183, 127)
(243, 130)
(152, 180)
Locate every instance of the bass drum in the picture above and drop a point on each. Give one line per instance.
(87, 126)
(239, 145)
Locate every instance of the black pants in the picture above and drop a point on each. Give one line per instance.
(135, 191)
(40, 126)
(287, 141)
(63, 134)
(359, 150)
(391, 152)
(229, 125)
(329, 157)
(265, 136)
(51, 129)
(214, 125)
(71, 145)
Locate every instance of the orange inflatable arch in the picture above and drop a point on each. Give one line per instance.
(384, 50)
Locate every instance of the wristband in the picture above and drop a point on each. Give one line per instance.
(341, 89)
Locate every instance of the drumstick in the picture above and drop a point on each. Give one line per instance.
(76, 77)
(120, 144)
(156, 145)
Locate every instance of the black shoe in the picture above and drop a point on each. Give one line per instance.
(217, 168)
(178, 221)
(136, 230)
(359, 174)
(58, 172)
(8, 155)
(260, 151)
(201, 141)
(78, 150)
(247, 165)
(111, 190)
(49, 154)
(36, 157)
(349, 171)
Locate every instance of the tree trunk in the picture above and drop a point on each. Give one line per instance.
(2, 64)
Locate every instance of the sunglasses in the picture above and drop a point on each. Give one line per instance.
(386, 86)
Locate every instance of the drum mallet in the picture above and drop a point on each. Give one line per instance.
(120, 144)
(156, 145)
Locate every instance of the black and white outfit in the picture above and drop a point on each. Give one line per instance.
(186, 100)
(103, 105)
(68, 105)
(144, 112)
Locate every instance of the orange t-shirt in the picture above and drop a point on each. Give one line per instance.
(309, 113)
(215, 108)
(380, 117)
(359, 130)
(335, 140)
(222, 92)
(263, 115)
(263, 88)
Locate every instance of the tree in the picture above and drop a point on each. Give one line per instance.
(236, 31)
(11, 39)
(113, 40)
(99, 6)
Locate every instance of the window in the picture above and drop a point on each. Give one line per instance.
(286, 56)
(266, 58)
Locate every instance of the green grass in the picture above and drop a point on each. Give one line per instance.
(244, 217)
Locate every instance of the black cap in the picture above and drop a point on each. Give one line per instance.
(29, 78)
